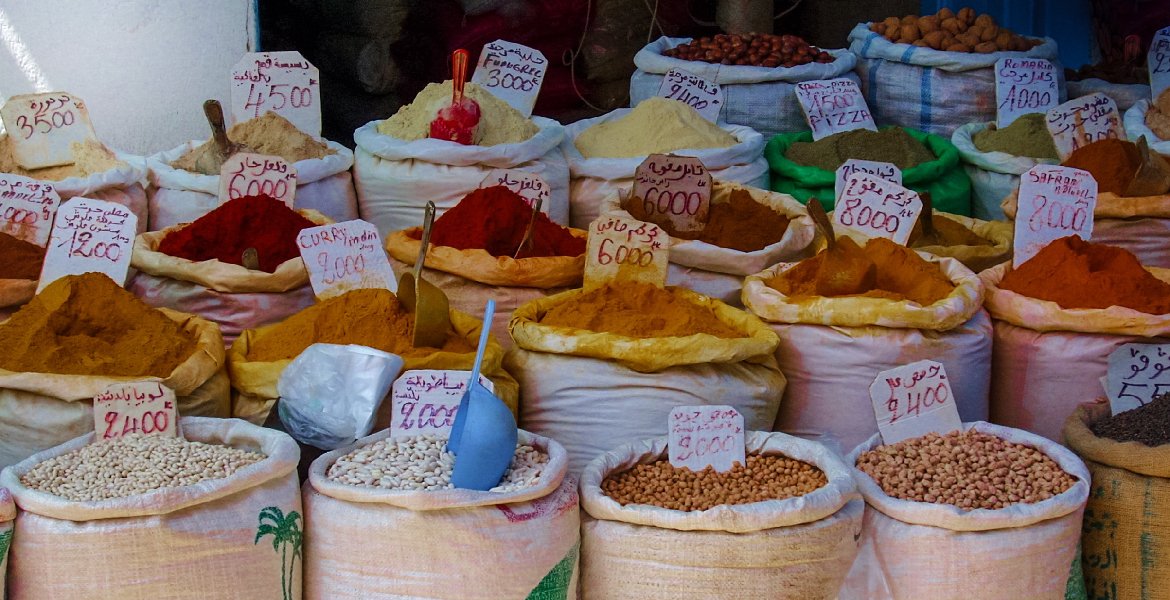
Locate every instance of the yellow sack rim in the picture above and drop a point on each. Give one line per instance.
(1131, 456)
(17, 292)
(978, 258)
(219, 276)
(646, 355)
(1109, 206)
(477, 265)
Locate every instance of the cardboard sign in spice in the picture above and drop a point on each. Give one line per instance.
(43, 127)
(89, 235)
(702, 436)
(246, 174)
(1023, 86)
(1082, 121)
(146, 407)
(834, 106)
(1137, 374)
(621, 249)
(881, 170)
(1054, 202)
(913, 400)
(674, 190)
(530, 186)
(27, 208)
(703, 95)
(511, 72)
(1159, 62)
(345, 256)
(877, 208)
(427, 401)
(282, 82)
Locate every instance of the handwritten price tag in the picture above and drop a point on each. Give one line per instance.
(89, 235)
(832, 106)
(621, 249)
(1054, 202)
(138, 407)
(703, 95)
(1138, 373)
(511, 72)
(877, 208)
(674, 190)
(914, 400)
(427, 401)
(881, 170)
(42, 127)
(247, 174)
(1023, 86)
(702, 436)
(282, 82)
(529, 186)
(1159, 62)
(345, 256)
(27, 207)
(1080, 122)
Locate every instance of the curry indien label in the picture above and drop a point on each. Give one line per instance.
(27, 208)
(1024, 86)
(282, 82)
(703, 95)
(511, 72)
(706, 436)
(881, 170)
(1054, 202)
(529, 186)
(89, 235)
(43, 127)
(622, 249)
(345, 256)
(833, 106)
(877, 208)
(426, 401)
(245, 174)
(913, 400)
(1159, 63)
(1082, 121)
(674, 190)
(1138, 373)
(145, 407)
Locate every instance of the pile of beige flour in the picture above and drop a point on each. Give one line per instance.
(499, 123)
(655, 126)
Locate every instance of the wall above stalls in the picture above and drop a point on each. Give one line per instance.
(1066, 21)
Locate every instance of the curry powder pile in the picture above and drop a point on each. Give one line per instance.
(639, 310)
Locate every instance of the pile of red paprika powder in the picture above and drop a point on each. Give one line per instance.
(259, 222)
(495, 219)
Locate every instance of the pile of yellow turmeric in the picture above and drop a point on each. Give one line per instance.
(640, 310)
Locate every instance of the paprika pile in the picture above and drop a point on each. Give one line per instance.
(19, 259)
(495, 219)
(637, 309)
(741, 223)
(1112, 162)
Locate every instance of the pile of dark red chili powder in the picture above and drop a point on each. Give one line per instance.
(495, 219)
(259, 222)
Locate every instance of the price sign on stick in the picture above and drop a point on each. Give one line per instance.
(138, 407)
(43, 127)
(674, 190)
(245, 174)
(877, 208)
(1159, 62)
(1080, 122)
(702, 436)
(345, 256)
(1054, 202)
(834, 106)
(511, 72)
(913, 400)
(89, 235)
(881, 170)
(27, 207)
(1138, 373)
(282, 82)
(703, 95)
(529, 186)
(1023, 86)
(621, 249)
(426, 401)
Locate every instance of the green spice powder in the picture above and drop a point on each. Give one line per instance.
(891, 145)
(1026, 136)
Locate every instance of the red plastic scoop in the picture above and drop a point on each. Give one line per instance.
(457, 123)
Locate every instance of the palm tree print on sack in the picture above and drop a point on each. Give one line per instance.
(5, 542)
(286, 535)
(555, 585)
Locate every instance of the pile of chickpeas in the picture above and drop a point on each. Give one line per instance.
(752, 49)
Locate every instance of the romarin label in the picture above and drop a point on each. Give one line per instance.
(621, 249)
(426, 401)
(345, 256)
(702, 436)
(1024, 86)
(703, 95)
(511, 72)
(1138, 373)
(89, 235)
(877, 208)
(913, 400)
(834, 105)
(1159, 62)
(146, 407)
(1054, 202)
(881, 170)
(530, 186)
(1082, 121)
(43, 127)
(282, 82)
(245, 174)
(674, 190)
(27, 208)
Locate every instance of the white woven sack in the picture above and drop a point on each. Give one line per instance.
(207, 540)
(178, 196)
(367, 543)
(7, 514)
(1135, 127)
(994, 175)
(593, 179)
(120, 185)
(1125, 95)
(1147, 237)
(937, 551)
(798, 548)
(758, 97)
(932, 90)
(395, 179)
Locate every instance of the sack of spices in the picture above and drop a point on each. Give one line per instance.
(1126, 522)
(792, 534)
(832, 347)
(214, 514)
(995, 158)
(366, 317)
(84, 333)
(1058, 318)
(748, 230)
(929, 534)
(399, 169)
(1150, 120)
(603, 368)
(604, 152)
(385, 522)
(761, 96)
(7, 515)
(196, 267)
(20, 270)
(181, 194)
(472, 249)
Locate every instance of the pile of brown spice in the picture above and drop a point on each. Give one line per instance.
(269, 134)
(739, 223)
(20, 259)
(636, 309)
(947, 232)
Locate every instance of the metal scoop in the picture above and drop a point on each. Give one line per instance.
(210, 162)
(527, 239)
(1153, 177)
(432, 311)
(844, 271)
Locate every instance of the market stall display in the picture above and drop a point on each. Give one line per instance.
(1151, 120)
(996, 158)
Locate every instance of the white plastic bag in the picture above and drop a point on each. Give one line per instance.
(938, 551)
(7, 515)
(1124, 94)
(1135, 127)
(994, 175)
(758, 97)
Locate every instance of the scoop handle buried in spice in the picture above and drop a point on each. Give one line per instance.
(527, 239)
(250, 259)
(927, 215)
(428, 223)
(817, 211)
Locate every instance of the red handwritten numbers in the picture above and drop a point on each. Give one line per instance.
(511, 72)
(1054, 202)
(143, 407)
(877, 208)
(703, 95)
(702, 436)
(247, 174)
(27, 208)
(913, 400)
(1082, 121)
(343, 257)
(833, 106)
(622, 249)
(675, 190)
(530, 186)
(1159, 62)
(43, 127)
(426, 401)
(1023, 86)
(281, 82)
(89, 235)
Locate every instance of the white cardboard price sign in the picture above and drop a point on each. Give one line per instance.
(282, 82)
(27, 207)
(621, 249)
(511, 72)
(877, 208)
(702, 436)
(426, 401)
(146, 407)
(1054, 202)
(703, 95)
(913, 400)
(881, 170)
(832, 106)
(246, 174)
(1159, 62)
(1082, 121)
(42, 128)
(674, 190)
(345, 256)
(1138, 373)
(530, 186)
(89, 235)
(1023, 86)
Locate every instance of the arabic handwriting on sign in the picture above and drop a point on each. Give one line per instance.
(427, 401)
(511, 72)
(705, 96)
(146, 407)
(877, 208)
(1138, 373)
(913, 400)
(834, 106)
(1053, 202)
(701, 436)
(281, 82)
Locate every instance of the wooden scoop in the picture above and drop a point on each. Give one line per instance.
(929, 233)
(432, 311)
(221, 148)
(1153, 177)
(843, 271)
(250, 259)
(527, 239)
